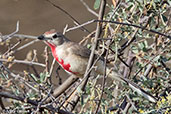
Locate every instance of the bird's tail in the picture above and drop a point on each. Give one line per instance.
(116, 76)
(132, 85)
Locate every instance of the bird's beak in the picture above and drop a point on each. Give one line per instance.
(41, 37)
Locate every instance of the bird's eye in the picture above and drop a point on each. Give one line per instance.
(55, 36)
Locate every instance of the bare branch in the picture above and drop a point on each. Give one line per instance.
(70, 16)
(23, 62)
(26, 45)
(9, 36)
(88, 8)
(25, 36)
(79, 26)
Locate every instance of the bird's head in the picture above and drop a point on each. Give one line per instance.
(53, 37)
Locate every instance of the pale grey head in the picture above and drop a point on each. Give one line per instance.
(53, 37)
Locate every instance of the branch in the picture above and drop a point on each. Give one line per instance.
(70, 16)
(79, 26)
(121, 23)
(88, 8)
(58, 91)
(24, 62)
(9, 36)
(137, 26)
(25, 36)
(32, 102)
(26, 45)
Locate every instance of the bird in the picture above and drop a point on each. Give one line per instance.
(73, 58)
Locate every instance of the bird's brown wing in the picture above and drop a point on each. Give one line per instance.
(80, 50)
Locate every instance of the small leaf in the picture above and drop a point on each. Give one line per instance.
(34, 77)
(146, 44)
(141, 45)
(88, 46)
(42, 77)
(164, 19)
(129, 7)
(134, 49)
(97, 4)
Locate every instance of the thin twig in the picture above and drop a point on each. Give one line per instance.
(46, 59)
(123, 47)
(123, 61)
(9, 36)
(11, 48)
(69, 15)
(113, 12)
(88, 8)
(147, 71)
(26, 45)
(133, 105)
(79, 26)
(87, 37)
(25, 36)
(52, 66)
(23, 62)
(165, 67)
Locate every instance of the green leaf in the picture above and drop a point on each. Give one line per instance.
(17, 92)
(134, 49)
(141, 45)
(82, 100)
(97, 4)
(89, 46)
(164, 19)
(145, 43)
(34, 77)
(32, 95)
(42, 77)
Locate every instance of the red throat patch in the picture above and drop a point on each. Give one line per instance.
(61, 61)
